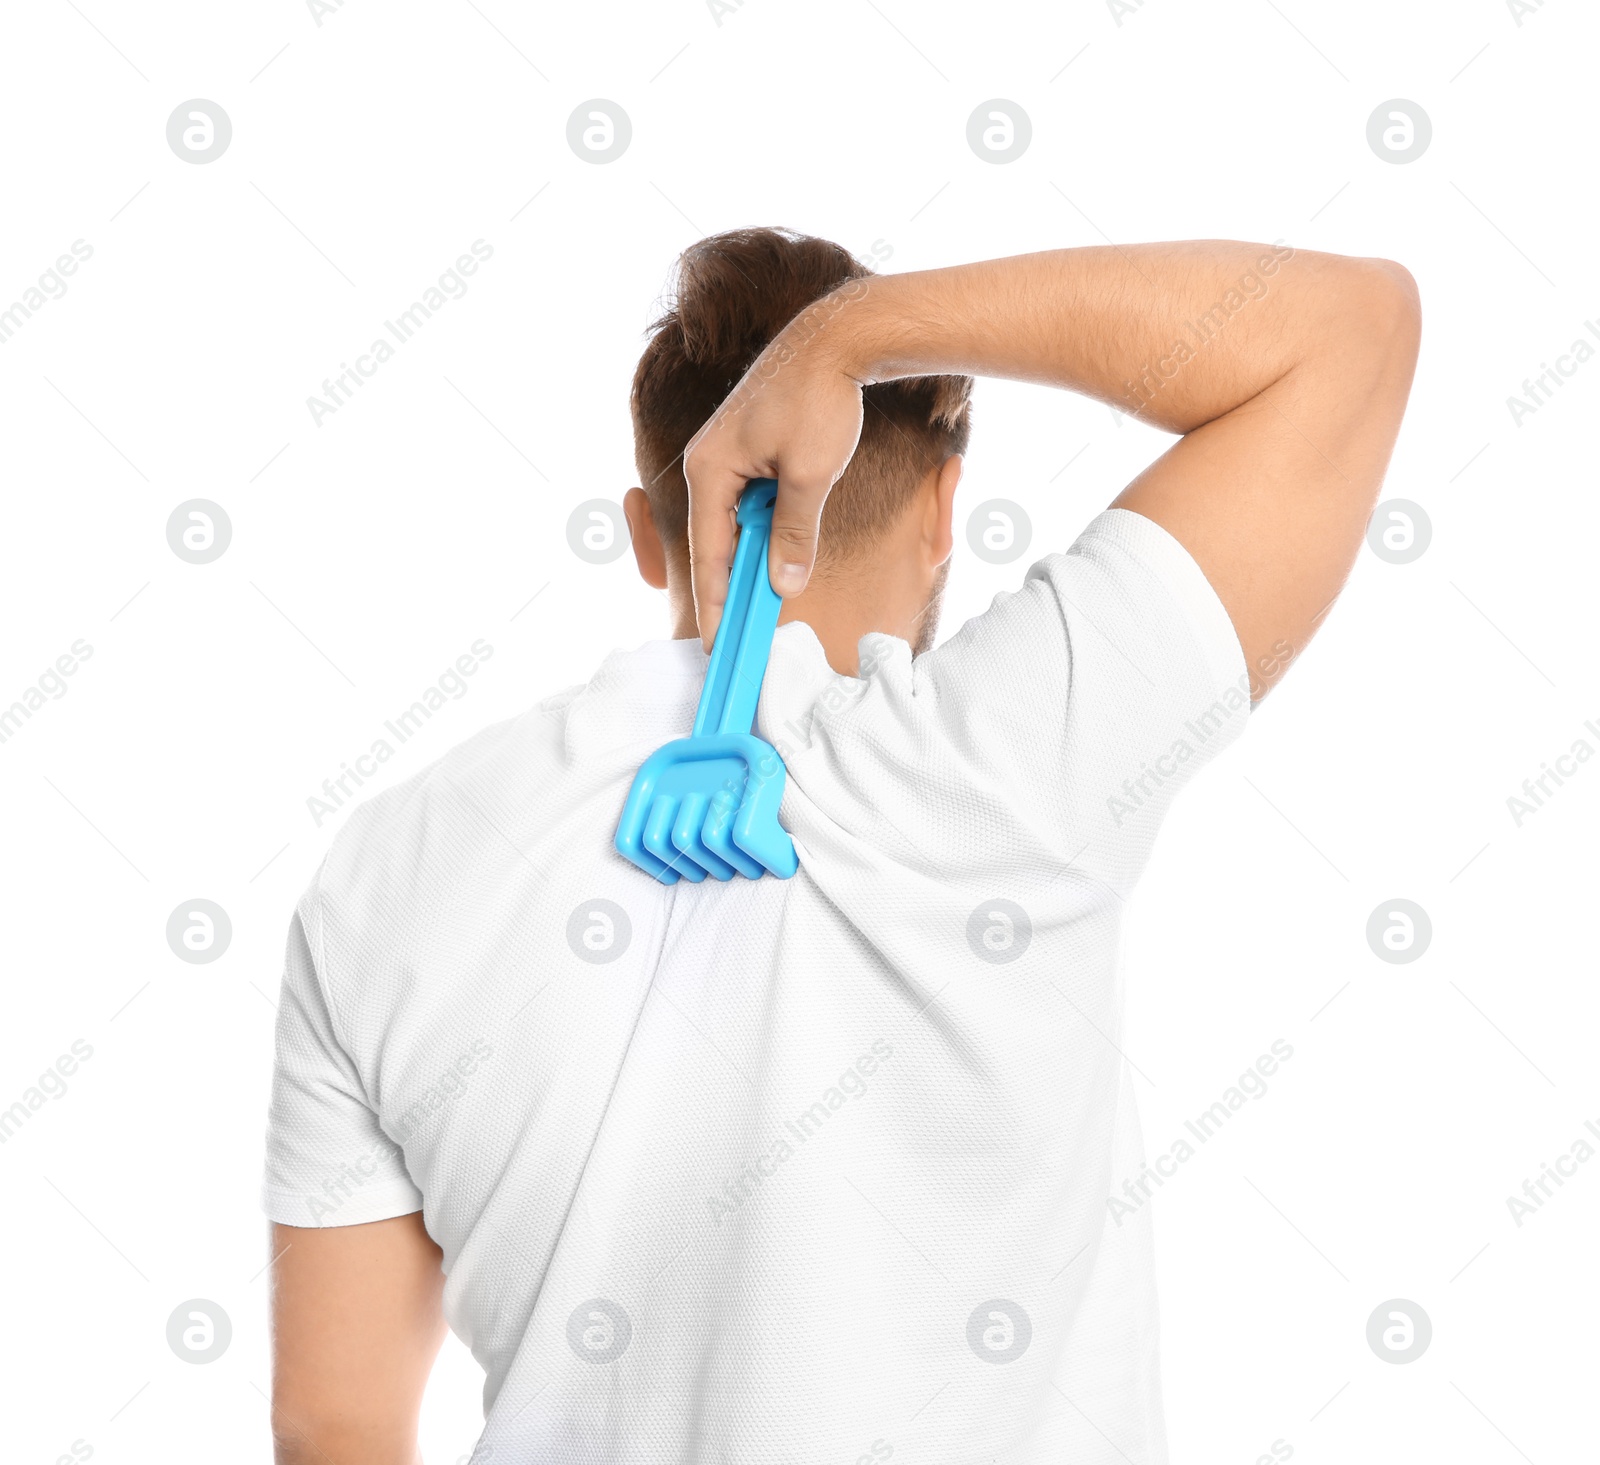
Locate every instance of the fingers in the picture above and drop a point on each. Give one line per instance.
(796, 515)
(803, 434)
(713, 496)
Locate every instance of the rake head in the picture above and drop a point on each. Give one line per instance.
(708, 806)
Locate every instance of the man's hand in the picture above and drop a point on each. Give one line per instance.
(356, 1325)
(795, 416)
(1285, 372)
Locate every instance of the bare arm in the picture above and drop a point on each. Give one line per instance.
(356, 1327)
(1286, 372)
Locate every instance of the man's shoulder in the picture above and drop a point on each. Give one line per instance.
(412, 840)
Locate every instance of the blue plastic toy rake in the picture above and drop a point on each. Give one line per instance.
(708, 804)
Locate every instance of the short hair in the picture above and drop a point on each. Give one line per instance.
(730, 295)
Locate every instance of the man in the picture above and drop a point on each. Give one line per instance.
(817, 1170)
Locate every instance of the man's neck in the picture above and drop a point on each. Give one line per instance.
(839, 610)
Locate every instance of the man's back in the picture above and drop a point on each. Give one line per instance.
(800, 1170)
(823, 1168)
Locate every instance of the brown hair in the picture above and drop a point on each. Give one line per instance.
(730, 295)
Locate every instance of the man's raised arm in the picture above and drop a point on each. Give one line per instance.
(1286, 372)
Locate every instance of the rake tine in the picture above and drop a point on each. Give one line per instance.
(686, 836)
(718, 835)
(658, 839)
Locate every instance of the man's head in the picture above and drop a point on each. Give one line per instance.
(885, 536)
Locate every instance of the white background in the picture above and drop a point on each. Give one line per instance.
(370, 151)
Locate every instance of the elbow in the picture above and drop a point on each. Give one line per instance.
(304, 1432)
(1384, 309)
(290, 1447)
(1401, 281)
(294, 1445)
(1363, 322)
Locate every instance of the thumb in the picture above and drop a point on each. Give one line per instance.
(796, 515)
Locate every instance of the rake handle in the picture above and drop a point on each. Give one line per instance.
(744, 635)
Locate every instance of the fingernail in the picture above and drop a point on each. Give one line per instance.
(791, 579)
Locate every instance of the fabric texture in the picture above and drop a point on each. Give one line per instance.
(778, 1171)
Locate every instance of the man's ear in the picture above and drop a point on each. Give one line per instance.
(648, 553)
(941, 511)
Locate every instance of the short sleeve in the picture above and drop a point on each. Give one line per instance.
(1095, 692)
(329, 1163)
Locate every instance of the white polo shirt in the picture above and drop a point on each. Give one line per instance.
(779, 1171)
